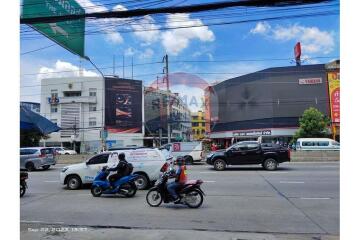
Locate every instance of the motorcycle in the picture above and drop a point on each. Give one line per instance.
(23, 185)
(190, 193)
(124, 186)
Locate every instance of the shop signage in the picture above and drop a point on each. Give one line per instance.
(253, 133)
(309, 81)
(334, 93)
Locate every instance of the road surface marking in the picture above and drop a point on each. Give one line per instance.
(290, 182)
(315, 198)
(27, 221)
(209, 181)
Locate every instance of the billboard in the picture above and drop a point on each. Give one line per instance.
(334, 94)
(123, 105)
(68, 34)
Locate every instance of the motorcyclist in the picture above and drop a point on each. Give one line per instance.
(180, 179)
(121, 169)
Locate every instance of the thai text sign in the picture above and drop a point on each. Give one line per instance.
(334, 94)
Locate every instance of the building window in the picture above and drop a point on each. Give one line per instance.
(54, 109)
(72, 94)
(92, 107)
(92, 122)
(92, 92)
(54, 93)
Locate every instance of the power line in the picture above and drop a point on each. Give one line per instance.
(178, 9)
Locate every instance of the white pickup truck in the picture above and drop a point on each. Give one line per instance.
(147, 163)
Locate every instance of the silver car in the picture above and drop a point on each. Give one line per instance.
(33, 158)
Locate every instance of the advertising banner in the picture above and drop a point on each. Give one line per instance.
(334, 94)
(123, 105)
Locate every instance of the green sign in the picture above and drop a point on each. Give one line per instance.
(68, 34)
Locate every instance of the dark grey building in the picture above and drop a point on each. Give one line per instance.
(267, 103)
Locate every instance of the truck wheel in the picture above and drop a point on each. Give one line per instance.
(270, 164)
(73, 182)
(142, 182)
(219, 165)
(189, 160)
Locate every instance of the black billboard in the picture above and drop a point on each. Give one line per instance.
(123, 105)
(274, 97)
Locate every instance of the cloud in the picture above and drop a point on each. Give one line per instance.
(107, 26)
(140, 27)
(63, 69)
(130, 51)
(148, 53)
(312, 39)
(176, 40)
(261, 28)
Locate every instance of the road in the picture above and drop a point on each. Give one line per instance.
(298, 198)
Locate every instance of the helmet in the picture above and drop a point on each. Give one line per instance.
(121, 156)
(180, 161)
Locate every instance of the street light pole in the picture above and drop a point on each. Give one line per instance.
(166, 59)
(103, 104)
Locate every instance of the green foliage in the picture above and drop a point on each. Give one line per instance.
(30, 138)
(312, 124)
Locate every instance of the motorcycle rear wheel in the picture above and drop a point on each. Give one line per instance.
(22, 190)
(154, 198)
(131, 190)
(96, 191)
(196, 198)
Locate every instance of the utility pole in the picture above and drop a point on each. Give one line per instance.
(166, 68)
(103, 105)
(123, 66)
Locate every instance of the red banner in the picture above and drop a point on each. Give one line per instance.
(334, 91)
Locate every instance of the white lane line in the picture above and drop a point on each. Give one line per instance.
(209, 181)
(290, 182)
(27, 221)
(315, 198)
(51, 181)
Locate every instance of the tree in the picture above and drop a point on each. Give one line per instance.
(312, 124)
(30, 138)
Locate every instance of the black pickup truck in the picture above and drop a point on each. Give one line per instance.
(249, 152)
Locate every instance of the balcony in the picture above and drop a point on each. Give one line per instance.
(75, 99)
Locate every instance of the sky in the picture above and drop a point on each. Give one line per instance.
(213, 53)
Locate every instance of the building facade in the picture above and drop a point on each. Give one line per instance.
(76, 104)
(156, 131)
(265, 104)
(198, 125)
(33, 106)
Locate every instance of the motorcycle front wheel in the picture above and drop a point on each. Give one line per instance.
(153, 198)
(96, 191)
(194, 199)
(22, 190)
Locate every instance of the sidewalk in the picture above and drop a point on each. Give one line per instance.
(33, 231)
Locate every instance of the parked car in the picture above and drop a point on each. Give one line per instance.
(249, 152)
(147, 163)
(191, 151)
(65, 151)
(317, 144)
(33, 158)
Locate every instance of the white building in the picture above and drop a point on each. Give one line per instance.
(76, 104)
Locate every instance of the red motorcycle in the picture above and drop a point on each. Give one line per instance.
(190, 193)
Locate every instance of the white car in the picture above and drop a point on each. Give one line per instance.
(65, 151)
(191, 151)
(147, 163)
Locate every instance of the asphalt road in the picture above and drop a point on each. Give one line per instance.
(298, 198)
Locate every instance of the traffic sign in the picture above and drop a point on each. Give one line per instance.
(68, 34)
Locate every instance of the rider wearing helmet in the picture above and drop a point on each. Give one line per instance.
(180, 179)
(120, 168)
